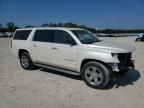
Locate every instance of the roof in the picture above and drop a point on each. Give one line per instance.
(59, 28)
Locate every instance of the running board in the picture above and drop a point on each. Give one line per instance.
(57, 69)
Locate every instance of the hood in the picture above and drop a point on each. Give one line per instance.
(112, 47)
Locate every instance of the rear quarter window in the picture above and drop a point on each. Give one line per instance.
(22, 34)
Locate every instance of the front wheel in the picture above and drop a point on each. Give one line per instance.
(26, 61)
(95, 75)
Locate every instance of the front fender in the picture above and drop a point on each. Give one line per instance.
(99, 56)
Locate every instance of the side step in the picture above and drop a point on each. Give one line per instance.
(57, 69)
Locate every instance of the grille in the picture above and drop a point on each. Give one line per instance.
(125, 59)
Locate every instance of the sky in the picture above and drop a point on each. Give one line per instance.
(114, 14)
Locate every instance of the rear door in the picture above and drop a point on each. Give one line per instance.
(41, 46)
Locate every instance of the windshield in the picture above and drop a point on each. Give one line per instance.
(85, 37)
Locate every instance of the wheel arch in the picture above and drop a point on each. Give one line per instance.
(21, 51)
(84, 61)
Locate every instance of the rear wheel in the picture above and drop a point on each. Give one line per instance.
(26, 61)
(95, 75)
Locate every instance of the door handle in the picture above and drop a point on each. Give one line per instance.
(54, 48)
(34, 45)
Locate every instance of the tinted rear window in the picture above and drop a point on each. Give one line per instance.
(44, 35)
(22, 34)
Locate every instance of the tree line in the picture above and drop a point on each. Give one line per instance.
(11, 27)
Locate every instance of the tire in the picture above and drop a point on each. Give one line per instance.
(26, 61)
(95, 75)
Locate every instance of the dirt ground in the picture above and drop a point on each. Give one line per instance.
(42, 88)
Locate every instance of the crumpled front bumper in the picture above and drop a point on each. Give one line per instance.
(118, 67)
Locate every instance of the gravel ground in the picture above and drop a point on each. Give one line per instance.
(41, 88)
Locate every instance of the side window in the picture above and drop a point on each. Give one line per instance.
(22, 34)
(63, 37)
(43, 35)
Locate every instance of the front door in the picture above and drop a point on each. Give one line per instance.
(64, 51)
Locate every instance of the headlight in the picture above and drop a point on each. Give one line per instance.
(114, 55)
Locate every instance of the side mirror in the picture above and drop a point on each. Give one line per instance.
(71, 42)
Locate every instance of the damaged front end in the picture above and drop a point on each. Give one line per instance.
(125, 62)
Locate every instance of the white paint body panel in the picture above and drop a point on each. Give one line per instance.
(67, 56)
(64, 56)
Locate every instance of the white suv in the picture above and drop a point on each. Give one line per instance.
(72, 50)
